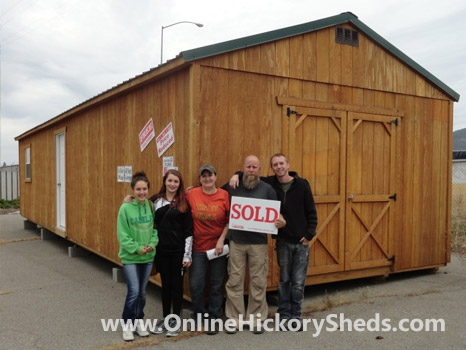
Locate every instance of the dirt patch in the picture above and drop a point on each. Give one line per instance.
(8, 211)
(339, 299)
(6, 241)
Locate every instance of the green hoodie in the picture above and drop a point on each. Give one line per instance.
(135, 230)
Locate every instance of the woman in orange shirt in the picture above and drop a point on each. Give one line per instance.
(210, 211)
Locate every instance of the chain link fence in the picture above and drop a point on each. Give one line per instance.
(458, 208)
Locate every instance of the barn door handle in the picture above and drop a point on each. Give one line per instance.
(350, 197)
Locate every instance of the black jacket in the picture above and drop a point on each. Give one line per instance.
(173, 227)
(297, 207)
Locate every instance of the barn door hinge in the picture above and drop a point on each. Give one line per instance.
(289, 111)
(392, 259)
(394, 121)
(393, 197)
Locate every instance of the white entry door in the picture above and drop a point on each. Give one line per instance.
(61, 185)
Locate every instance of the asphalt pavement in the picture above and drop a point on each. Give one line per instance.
(51, 301)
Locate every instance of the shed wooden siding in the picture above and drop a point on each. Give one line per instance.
(316, 57)
(97, 141)
(311, 67)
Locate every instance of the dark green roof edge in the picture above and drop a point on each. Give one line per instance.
(266, 37)
(346, 17)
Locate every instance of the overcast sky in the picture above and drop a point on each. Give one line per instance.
(56, 54)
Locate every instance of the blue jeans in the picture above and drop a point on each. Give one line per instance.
(197, 276)
(137, 276)
(293, 260)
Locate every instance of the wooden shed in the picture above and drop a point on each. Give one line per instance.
(367, 126)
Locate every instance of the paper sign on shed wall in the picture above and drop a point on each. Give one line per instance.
(124, 173)
(147, 134)
(165, 139)
(168, 163)
(128, 173)
(120, 174)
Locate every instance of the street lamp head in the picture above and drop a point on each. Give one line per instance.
(170, 25)
(189, 22)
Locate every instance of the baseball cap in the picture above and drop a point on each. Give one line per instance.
(209, 168)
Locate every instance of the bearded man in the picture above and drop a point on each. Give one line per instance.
(249, 248)
(292, 241)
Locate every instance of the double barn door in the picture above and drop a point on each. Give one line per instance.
(349, 159)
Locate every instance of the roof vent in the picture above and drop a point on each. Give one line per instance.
(346, 36)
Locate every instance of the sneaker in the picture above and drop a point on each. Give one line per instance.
(128, 334)
(175, 331)
(140, 330)
(159, 327)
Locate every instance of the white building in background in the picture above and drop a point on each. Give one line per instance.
(9, 185)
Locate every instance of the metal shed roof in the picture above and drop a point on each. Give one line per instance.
(346, 17)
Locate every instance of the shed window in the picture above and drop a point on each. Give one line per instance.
(346, 36)
(27, 157)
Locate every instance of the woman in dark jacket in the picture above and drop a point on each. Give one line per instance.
(175, 228)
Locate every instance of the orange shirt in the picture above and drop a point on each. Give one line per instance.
(210, 215)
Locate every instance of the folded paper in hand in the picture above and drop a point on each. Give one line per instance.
(211, 253)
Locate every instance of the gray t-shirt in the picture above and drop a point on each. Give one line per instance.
(262, 191)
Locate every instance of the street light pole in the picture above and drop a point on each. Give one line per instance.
(161, 36)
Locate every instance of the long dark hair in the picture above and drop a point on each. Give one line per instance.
(180, 198)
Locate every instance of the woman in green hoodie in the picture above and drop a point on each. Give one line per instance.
(138, 239)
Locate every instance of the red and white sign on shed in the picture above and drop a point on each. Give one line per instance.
(147, 134)
(252, 214)
(165, 139)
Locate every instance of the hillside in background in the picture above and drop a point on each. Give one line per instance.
(459, 140)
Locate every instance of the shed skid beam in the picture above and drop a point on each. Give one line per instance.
(29, 225)
(77, 252)
(46, 235)
(118, 274)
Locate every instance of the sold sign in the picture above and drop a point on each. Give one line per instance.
(252, 214)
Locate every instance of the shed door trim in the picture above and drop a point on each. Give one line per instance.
(60, 159)
(293, 101)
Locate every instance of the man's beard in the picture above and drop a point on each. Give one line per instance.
(251, 181)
